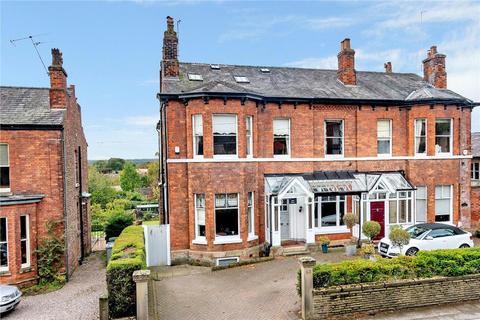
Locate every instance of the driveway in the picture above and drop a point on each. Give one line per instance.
(77, 300)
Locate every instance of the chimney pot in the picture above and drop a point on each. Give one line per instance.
(346, 64)
(388, 67)
(345, 44)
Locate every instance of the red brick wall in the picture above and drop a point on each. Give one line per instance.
(307, 141)
(475, 198)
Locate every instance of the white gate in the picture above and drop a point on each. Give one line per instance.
(157, 244)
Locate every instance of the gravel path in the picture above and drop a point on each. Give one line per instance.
(77, 300)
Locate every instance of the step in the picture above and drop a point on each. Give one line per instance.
(294, 251)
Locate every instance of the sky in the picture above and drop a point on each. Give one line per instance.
(112, 49)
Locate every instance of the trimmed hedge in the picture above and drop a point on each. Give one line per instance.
(128, 255)
(427, 264)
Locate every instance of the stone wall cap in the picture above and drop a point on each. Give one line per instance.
(141, 275)
(307, 261)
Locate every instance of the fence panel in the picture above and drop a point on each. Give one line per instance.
(157, 244)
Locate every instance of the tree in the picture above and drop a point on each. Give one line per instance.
(100, 188)
(129, 177)
(371, 229)
(399, 237)
(116, 164)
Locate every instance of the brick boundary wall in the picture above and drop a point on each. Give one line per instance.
(378, 297)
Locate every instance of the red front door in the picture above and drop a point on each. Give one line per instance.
(377, 213)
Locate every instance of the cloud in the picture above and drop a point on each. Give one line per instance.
(317, 63)
(142, 121)
(330, 22)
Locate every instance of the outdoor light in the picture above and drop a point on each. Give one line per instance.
(300, 209)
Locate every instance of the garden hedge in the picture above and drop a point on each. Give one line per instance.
(427, 264)
(128, 255)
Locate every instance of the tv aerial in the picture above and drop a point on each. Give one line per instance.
(35, 45)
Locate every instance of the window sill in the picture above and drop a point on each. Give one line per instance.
(252, 237)
(225, 157)
(25, 269)
(5, 273)
(334, 156)
(384, 155)
(444, 154)
(226, 240)
(198, 157)
(281, 156)
(199, 241)
(328, 230)
(7, 191)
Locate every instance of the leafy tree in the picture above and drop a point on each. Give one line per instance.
(129, 177)
(101, 165)
(100, 188)
(399, 237)
(116, 164)
(371, 229)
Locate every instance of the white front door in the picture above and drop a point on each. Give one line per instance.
(299, 216)
(285, 225)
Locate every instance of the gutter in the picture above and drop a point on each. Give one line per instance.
(31, 127)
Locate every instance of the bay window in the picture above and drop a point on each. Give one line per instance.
(384, 137)
(443, 136)
(226, 215)
(421, 204)
(281, 136)
(421, 136)
(224, 134)
(25, 241)
(443, 203)
(3, 244)
(197, 125)
(4, 168)
(334, 137)
(200, 217)
(249, 136)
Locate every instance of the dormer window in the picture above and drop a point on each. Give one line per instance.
(195, 77)
(241, 79)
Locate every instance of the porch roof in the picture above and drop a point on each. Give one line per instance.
(340, 182)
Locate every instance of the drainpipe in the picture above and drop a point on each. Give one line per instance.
(80, 205)
(65, 215)
(162, 168)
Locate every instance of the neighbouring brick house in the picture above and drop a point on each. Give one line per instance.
(255, 154)
(43, 163)
(475, 198)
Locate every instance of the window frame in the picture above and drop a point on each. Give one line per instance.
(249, 136)
(225, 156)
(288, 138)
(327, 137)
(231, 238)
(194, 137)
(410, 207)
(338, 227)
(6, 268)
(475, 163)
(198, 238)
(450, 137)
(450, 207)
(7, 189)
(389, 139)
(26, 240)
(421, 199)
(251, 213)
(415, 144)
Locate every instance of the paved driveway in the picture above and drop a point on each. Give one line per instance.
(77, 300)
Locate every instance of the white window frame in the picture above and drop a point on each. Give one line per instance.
(225, 156)
(5, 268)
(27, 240)
(415, 136)
(194, 136)
(9, 171)
(249, 136)
(450, 221)
(421, 199)
(198, 238)
(325, 139)
(409, 198)
(251, 214)
(338, 228)
(289, 151)
(231, 238)
(389, 139)
(450, 136)
(475, 170)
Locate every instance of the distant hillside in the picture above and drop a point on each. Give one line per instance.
(135, 161)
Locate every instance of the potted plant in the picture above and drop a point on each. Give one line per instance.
(368, 251)
(351, 247)
(324, 242)
(399, 237)
(371, 229)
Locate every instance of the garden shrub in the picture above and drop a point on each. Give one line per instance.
(116, 223)
(50, 255)
(128, 255)
(371, 229)
(427, 264)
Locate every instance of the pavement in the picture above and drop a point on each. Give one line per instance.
(76, 300)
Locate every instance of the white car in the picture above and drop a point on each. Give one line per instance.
(428, 236)
(9, 298)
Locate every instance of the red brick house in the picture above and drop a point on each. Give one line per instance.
(43, 163)
(475, 198)
(256, 154)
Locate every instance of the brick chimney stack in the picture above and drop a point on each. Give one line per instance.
(346, 64)
(58, 81)
(388, 67)
(434, 69)
(170, 66)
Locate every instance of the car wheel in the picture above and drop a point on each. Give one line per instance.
(464, 246)
(411, 252)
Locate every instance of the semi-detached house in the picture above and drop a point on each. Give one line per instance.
(258, 154)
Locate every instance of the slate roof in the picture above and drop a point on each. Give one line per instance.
(27, 106)
(287, 82)
(476, 144)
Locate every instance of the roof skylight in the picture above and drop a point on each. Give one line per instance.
(195, 77)
(241, 79)
(265, 70)
(215, 67)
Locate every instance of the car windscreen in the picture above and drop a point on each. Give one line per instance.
(416, 232)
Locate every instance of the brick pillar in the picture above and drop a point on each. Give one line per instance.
(141, 278)
(170, 67)
(58, 81)
(306, 269)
